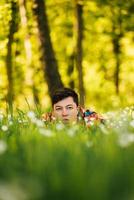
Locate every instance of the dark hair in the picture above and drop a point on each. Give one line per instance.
(63, 93)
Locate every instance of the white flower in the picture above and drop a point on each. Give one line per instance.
(103, 129)
(86, 119)
(132, 123)
(9, 116)
(10, 123)
(46, 132)
(108, 121)
(132, 114)
(71, 132)
(117, 127)
(89, 144)
(124, 119)
(3, 146)
(79, 118)
(10, 190)
(91, 123)
(120, 122)
(126, 139)
(4, 128)
(31, 114)
(1, 116)
(20, 121)
(111, 124)
(60, 126)
(39, 123)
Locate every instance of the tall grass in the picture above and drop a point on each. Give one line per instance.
(57, 161)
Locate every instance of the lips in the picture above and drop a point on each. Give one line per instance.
(65, 120)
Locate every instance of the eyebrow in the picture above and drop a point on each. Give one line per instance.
(61, 106)
(58, 106)
(69, 105)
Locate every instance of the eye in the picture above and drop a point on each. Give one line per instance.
(58, 109)
(70, 107)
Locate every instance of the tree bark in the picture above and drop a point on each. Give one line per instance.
(48, 59)
(9, 64)
(79, 29)
(28, 50)
(117, 36)
(70, 70)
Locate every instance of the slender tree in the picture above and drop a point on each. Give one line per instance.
(28, 49)
(120, 13)
(48, 59)
(70, 70)
(117, 34)
(79, 38)
(9, 64)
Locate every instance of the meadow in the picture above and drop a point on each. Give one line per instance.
(57, 161)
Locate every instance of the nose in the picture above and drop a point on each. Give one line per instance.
(64, 112)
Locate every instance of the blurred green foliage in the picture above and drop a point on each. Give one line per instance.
(55, 161)
(99, 59)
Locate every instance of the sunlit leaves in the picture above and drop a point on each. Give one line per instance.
(98, 58)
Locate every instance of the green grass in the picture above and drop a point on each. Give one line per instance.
(54, 161)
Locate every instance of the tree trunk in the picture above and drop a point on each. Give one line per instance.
(117, 35)
(51, 72)
(9, 64)
(28, 50)
(117, 65)
(79, 27)
(70, 70)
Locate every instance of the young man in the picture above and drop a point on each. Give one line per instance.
(65, 107)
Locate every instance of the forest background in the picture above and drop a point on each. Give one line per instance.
(87, 45)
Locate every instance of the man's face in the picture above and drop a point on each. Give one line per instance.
(65, 110)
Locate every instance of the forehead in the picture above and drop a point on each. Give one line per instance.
(65, 102)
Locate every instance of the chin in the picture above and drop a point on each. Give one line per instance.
(66, 121)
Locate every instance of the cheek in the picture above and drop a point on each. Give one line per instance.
(56, 113)
(74, 113)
